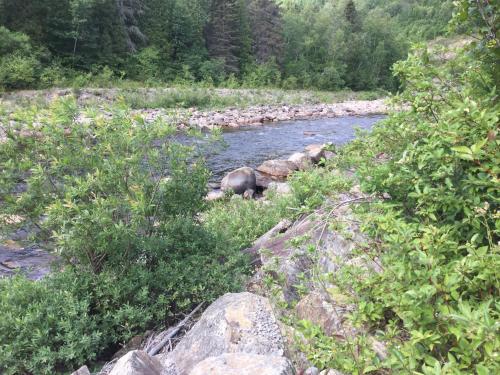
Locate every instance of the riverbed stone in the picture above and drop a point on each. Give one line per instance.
(302, 160)
(239, 180)
(33, 262)
(278, 168)
(234, 323)
(137, 362)
(316, 152)
(244, 364)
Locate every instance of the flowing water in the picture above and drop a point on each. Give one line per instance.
(251, 145)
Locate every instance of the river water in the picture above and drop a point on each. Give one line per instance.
(252, 145)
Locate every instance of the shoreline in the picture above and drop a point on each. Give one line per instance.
(235, 118)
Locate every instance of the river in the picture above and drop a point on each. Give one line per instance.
(252, 145)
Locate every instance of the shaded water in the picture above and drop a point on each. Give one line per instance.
(251, 145)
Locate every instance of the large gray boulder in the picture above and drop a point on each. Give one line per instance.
(235, 323)
(137, 362)
(278, 168)
(244, 364)
(239, 180)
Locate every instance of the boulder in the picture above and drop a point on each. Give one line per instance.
(263, 180)
(316, 152)
(278, 168)
(244, 364)
(234, 323)
(239, 180)
(137, 362)
(84, 370)
(302, 160)
(318, 311)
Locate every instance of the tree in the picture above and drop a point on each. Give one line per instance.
(223, 35)
(351, 15)
(267, 30)
(129, 12)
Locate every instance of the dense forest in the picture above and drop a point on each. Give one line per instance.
(321, 44)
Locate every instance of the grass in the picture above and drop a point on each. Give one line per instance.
(187, 96)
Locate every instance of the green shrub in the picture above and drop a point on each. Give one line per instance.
(19, 63)
(437, 239)
(122, 214)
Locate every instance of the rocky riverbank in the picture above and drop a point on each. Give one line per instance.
(254, 332)
(258, 115)
(210, 108)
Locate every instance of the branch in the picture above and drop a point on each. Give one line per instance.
(156, 349)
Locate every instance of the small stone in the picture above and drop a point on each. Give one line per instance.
(215, 195)
(330, 372)
(249, 194)
(280, 188)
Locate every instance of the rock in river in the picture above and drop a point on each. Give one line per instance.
(278, 168)
(302, 160)
(239, 180)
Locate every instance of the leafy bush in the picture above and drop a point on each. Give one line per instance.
(122, 214)
(18, 64)
(436, 301)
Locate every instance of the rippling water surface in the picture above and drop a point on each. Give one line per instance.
(251, 145)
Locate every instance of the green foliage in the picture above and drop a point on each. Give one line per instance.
(18, 63)
(436, 301)
(312, 187)
(257, 43)
(122, 214)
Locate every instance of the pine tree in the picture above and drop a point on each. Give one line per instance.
(267, 30)
(129, 12)
(223, 33)
(351, 15)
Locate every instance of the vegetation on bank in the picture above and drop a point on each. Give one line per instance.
(140, 246)
(183, 97)
(291, 44)
(437, 239)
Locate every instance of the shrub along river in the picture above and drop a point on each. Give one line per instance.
(252, 145)
(244, 146)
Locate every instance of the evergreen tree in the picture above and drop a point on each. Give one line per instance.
(129, 12)
(267, 30)
(223, 33)
(351, 15)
